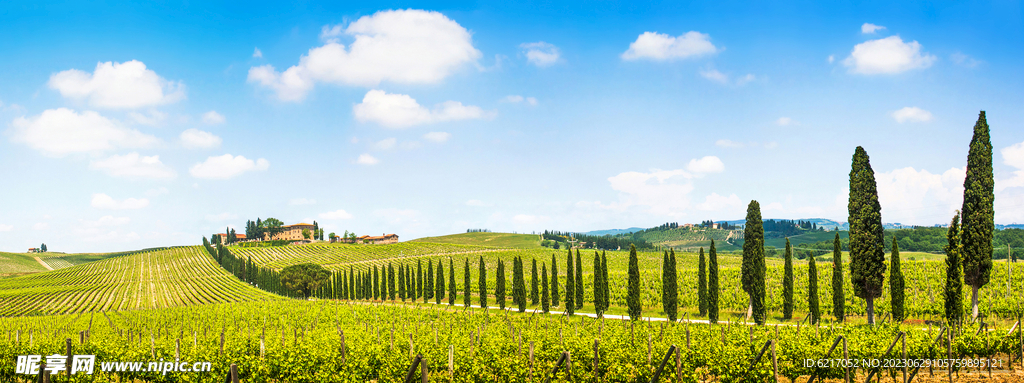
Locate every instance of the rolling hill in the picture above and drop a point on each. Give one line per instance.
(520, 241)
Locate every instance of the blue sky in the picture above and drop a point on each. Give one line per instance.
(128, 126)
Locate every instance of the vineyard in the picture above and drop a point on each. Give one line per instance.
(333, 341)
(153, 279)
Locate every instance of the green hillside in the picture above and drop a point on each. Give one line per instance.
(520, 241)
(15, 263)
(808, 237)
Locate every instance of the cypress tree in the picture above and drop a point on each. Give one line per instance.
(353, 294)
(439, 289)
(483, 283)
(812, 290)
(977, 213)
(520, 285)
(419, 279)
(867, 252)
(428, 282)
(604, 279)
(598, 285)
(545, 299)
(376, 284)
(570, 285)
(753, 268)
(554, 281)
(452, 292)
(664, 282)
(953, 290)
(673, 286)
(499, 285)
(712, 284)
(401, 282)
(787, 284)
(465, 285)
(896, 283)
(633, 290)
(702, 284)
(579, 281)
(391, 281)
(344, 286)
(534, 292)
(838, 298)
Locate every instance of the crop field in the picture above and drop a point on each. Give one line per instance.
(15, 263)
(332, 341)
(161, 278)
(523, 241)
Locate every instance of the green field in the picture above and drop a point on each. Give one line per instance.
(521, 241)
(809, 237)
(15, 263)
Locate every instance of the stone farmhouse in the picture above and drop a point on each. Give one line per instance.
(383, 239)
(293, 232)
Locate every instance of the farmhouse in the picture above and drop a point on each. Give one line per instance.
(238, 237)
(293, 232)
(33, 250)
(383, 239)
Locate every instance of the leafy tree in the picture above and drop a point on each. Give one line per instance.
(520, 285)
(579, 281)
(419, 279)
(465, 285)
(428, 283)
(570, 285)
(499, 285)
(702, 285)
(787, 284)
(673, 286)
(554, 281)
(664, 282)
(712, 284)
(439, 289)
(604, 280)
(867, 255)
(838, 300)
(271, 227)
(545, 299)
(452, 292)
(42, 247)
(953, 290)
(483, 283)
(304, 278)
(391, 282)
(534, 292)
(753, 268)
(812, 290)
(633, 289)
(401, 282)
(896, 284)
(977, 212)
(598, 285)
(376, 284)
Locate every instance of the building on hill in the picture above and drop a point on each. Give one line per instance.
(687, 225)
(383, 239)
(33, 250)
(293, 232)
(238, 237)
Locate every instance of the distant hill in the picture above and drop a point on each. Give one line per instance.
(614, 231)
(508, 240)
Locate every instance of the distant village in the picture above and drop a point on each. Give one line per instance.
(308, 233)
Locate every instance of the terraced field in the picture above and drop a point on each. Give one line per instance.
(154, 279)
(342, 256)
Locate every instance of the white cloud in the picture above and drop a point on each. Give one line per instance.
(401, 46)
(153, 118)
(708, 164)
(366, 159)
(911, 196)
(157, 192)
(41, 226)
(964, 60)
(541, 53)
(437, 136)
(337, 214)
(385, 144)
(831, 58)
(784, 121)
(103, 201)
(911, 114)
(227, 166)
(869, 28)
(220, 217)
(257, 53)
(198, 139)
(664, 192)
(401, 111)
(771, 145)
(515, 99)
(662, 47)
(527, 219)
(213, 118)
(745, 79)
(477, 203)
(1013, 155)
(724, 143)
(118, 85)
(6, 228)
(59, 132)
(887, 56)
(301, 201)
(719, 203)
(133, 165)
(714, 75)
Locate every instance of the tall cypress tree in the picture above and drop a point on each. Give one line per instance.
(702, 284)
(499, 285)
(376, 283)
(570, 285)
(673, 286)
(534, 292)
(439, 289)
(344, 286)
(812, 290)
(483, 283)
(353, 293)
(664, 282)
(753, 268)
(953, 290)
(867, 251)
(598, 285)
(604, 278)
(520, 285)
(391, 281)
(633, 289)
(579, 281)
(554, 281)
(896, 283)
(712, 284)
(787, 284)
(428, 282)
(545, 299)
(419, 279)
(977, 213)
(452, 292)
(465, 285)
(838, 298)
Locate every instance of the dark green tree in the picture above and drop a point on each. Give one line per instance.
(812, 290)
(702, 284)
(499, 285)
(554, 281)
(712, 284)
(483, 283)
(953, 290)
(452, 291)
(419, 279)
(304, 278)
(673, 286)
(787, 283)
(401, 282)
(545, 299)
(579, 281)
(391, 282)
(896, 283)
(428, 282)
(465, 285)
(633, 288)
(570, 285)
(838, 298)
(753, 268)
(664, 282)
(604, 280)
(598, 285)
(520, 285)
(439, 289)
(43, 247)
(977, 213)
(867, 251)
(534, 288)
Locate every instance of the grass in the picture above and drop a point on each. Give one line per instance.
(15, 264)
(506, 240)
(812, 237)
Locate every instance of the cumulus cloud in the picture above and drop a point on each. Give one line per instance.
(366, 159)
(301, 201)
(887, 56)
(784, 121)
(1013, 156)
(118, 85)
(152, 118)
(515, 99)
(133, 165)
(964, 60)
(198, 139)
(541, 53)
(708, 164)
(6, 228)
(664, 192)
(722, 78)
(912, 196)
(385, 144)
(437, 137)
(869, 28)
(398, 111)
(257, 53)
(103, 201)
(400, 46)
(720, 203)
(662, 47)
(911, 114)
(59, 132)
(213, 118)
(227, 166)
(337, 214)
